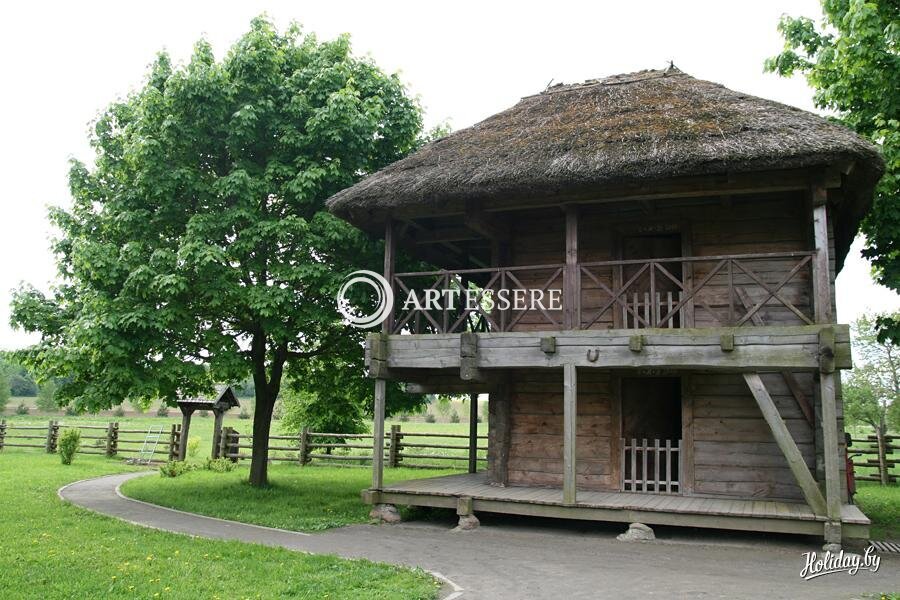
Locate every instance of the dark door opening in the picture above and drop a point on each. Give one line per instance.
(651, 434)
(650, 303)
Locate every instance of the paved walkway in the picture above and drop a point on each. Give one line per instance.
(521, 559)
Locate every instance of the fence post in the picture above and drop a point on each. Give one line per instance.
(304, 446)
(52, 432)
(222, 449)
(231, 447)
(173, 441)
(882, 458)
(2, 432)
(112, 438)
(394, 451)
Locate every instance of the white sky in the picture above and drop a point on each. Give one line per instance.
(63, 62)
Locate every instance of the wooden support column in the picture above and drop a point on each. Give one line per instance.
(687, 436)
(499, 431)
(571, 287)
(570, 410)
(218, 416)
(378, 435)
(473, 433)
(786, 443)
(185, 430)
(822, 303)
(390, 249)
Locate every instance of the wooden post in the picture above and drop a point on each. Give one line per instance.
(219, 416)
(112, 437)
(882, 456)
(686, 453)
(499, 433)
(394, 450)
(378, 435)
(786, 443)
(304, 446)
(570, 410)
(50, 444)
(571, 300)
(185, 430)
(473, 433)
(821, 264)
(830, 446)
(173, 442)
(390, 247)
(2, 432)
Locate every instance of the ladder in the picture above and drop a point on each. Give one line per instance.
(145, 455)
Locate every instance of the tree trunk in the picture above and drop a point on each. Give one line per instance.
(262, 422)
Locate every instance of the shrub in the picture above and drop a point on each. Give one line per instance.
(68, 444)
(118, 411)
(244, 414)
(454, 417)
(174, 468)
(46, 397)
(219, 465)
(404, 417)
(22, 409)
(162, 411)
(70, 411)
(203, 413)
(429, 418)
(193, 446)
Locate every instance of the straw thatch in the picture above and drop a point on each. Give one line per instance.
(629, 128)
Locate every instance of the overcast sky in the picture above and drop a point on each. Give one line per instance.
(63, 62)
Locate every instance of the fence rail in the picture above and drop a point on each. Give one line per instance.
(400, 448)
(883, 448)
(110, 443)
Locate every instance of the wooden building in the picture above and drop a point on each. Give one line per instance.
(689, 374)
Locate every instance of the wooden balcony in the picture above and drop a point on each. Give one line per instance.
(667, 293)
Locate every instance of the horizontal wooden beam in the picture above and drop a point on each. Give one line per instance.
(755, 349)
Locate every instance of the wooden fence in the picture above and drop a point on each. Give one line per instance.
(108, 440)
(876, 452)
(401, 447)
(651, 466)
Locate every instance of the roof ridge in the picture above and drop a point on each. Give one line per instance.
(620, 79)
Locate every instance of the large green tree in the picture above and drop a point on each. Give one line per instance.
(872, 389)
(852, 61)
(197, 248)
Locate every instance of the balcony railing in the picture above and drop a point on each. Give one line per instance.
(701, 291)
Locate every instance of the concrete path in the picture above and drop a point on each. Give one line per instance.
(515, 559)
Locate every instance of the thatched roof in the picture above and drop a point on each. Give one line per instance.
(637, 127)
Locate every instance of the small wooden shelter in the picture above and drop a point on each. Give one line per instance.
(223, 401)
(692, 235)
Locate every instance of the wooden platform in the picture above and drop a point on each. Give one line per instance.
(625, 507)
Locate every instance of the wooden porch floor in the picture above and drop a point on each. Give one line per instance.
(659, 509)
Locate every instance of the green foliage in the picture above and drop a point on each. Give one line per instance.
(243, 414)
(444, 403)
(454, 417)
(304, 409)
(163, 410)
(68, 444)
(198, 247)
(430, 418)
(872, 388)
(139, 406)
(193, 446)
(46, 398)
(219, 465)
(21, 409)
(119, 411)
(404, 417)
(5, 394)
(853, 65)
(174, 468)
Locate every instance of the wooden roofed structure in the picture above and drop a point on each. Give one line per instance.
(692, 235)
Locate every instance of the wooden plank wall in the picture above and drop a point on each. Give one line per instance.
(536, 449)
(735, 454)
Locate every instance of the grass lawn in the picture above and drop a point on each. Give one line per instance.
(50, 549)
(882, 506)
(309, 498)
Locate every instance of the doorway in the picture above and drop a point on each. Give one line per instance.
(651, 434)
